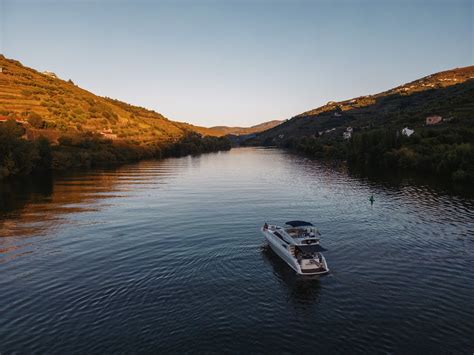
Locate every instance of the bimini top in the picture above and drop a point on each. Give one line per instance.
(298, 223)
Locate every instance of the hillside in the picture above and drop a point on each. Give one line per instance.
(448, 94)
(47, 123)
(56, 106)
(239, 131)
(367, 131)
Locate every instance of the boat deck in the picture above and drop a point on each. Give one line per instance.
(312, 271)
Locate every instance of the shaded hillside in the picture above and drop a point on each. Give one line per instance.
(56, 106)
(448, 93)
(368, 131)
(239, 131)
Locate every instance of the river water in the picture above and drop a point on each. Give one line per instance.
(166, 256)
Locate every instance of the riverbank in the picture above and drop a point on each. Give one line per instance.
(446, 153)
(21, 157)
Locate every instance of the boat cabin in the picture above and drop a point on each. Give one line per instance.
(308, 251)
(296, 233)
(302, 232)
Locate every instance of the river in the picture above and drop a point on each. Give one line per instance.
(166, 256)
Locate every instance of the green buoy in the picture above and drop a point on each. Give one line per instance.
(371, 199)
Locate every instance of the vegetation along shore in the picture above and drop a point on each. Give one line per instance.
(425, 126)
(47, 123)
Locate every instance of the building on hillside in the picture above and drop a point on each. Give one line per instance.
(50, 74)
(108, 134)
(432, 120)
(1, 69)
(17, 120)
(407, 131)
(347, 134)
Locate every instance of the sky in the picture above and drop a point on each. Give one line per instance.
(237, 63)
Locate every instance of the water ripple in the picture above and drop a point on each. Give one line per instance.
(165, 256)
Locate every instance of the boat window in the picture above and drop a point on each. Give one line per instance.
(311, 248)
(300, 232)
(280, 236)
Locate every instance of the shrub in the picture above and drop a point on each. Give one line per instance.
(36, 120)
(26, 93)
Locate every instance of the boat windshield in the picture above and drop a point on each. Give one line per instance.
(312, 248)
(308, 232)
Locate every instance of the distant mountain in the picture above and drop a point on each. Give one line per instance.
(239, 131)
(56, 106)
(449, 94)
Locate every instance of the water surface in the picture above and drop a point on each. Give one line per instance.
(166, 256)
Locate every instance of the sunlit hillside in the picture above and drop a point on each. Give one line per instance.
(245, 130)
(55, 106)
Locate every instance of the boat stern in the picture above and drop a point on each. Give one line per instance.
(315, 266)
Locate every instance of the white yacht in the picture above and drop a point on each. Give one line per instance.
(298, 245)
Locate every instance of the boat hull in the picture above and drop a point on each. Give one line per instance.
(278, 248)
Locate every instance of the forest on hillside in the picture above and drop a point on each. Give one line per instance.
(367, 131)
(447, 152)
(20, 156)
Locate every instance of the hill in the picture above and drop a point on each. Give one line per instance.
(367, 130)
(239, 131)
(446, 93)
(58, 106)
(49, 123)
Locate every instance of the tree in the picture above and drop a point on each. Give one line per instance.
(35, 120)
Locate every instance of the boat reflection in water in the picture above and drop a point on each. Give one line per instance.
(301, 289)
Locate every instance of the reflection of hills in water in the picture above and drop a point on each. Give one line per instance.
(300, 289)
(333, 171)
(37, 206)
(40, 205)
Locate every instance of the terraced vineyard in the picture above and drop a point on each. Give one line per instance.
(57, 106)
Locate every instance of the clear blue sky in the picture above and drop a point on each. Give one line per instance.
(237, 62)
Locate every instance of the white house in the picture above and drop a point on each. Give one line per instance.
(407, 131)
(348, 133)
